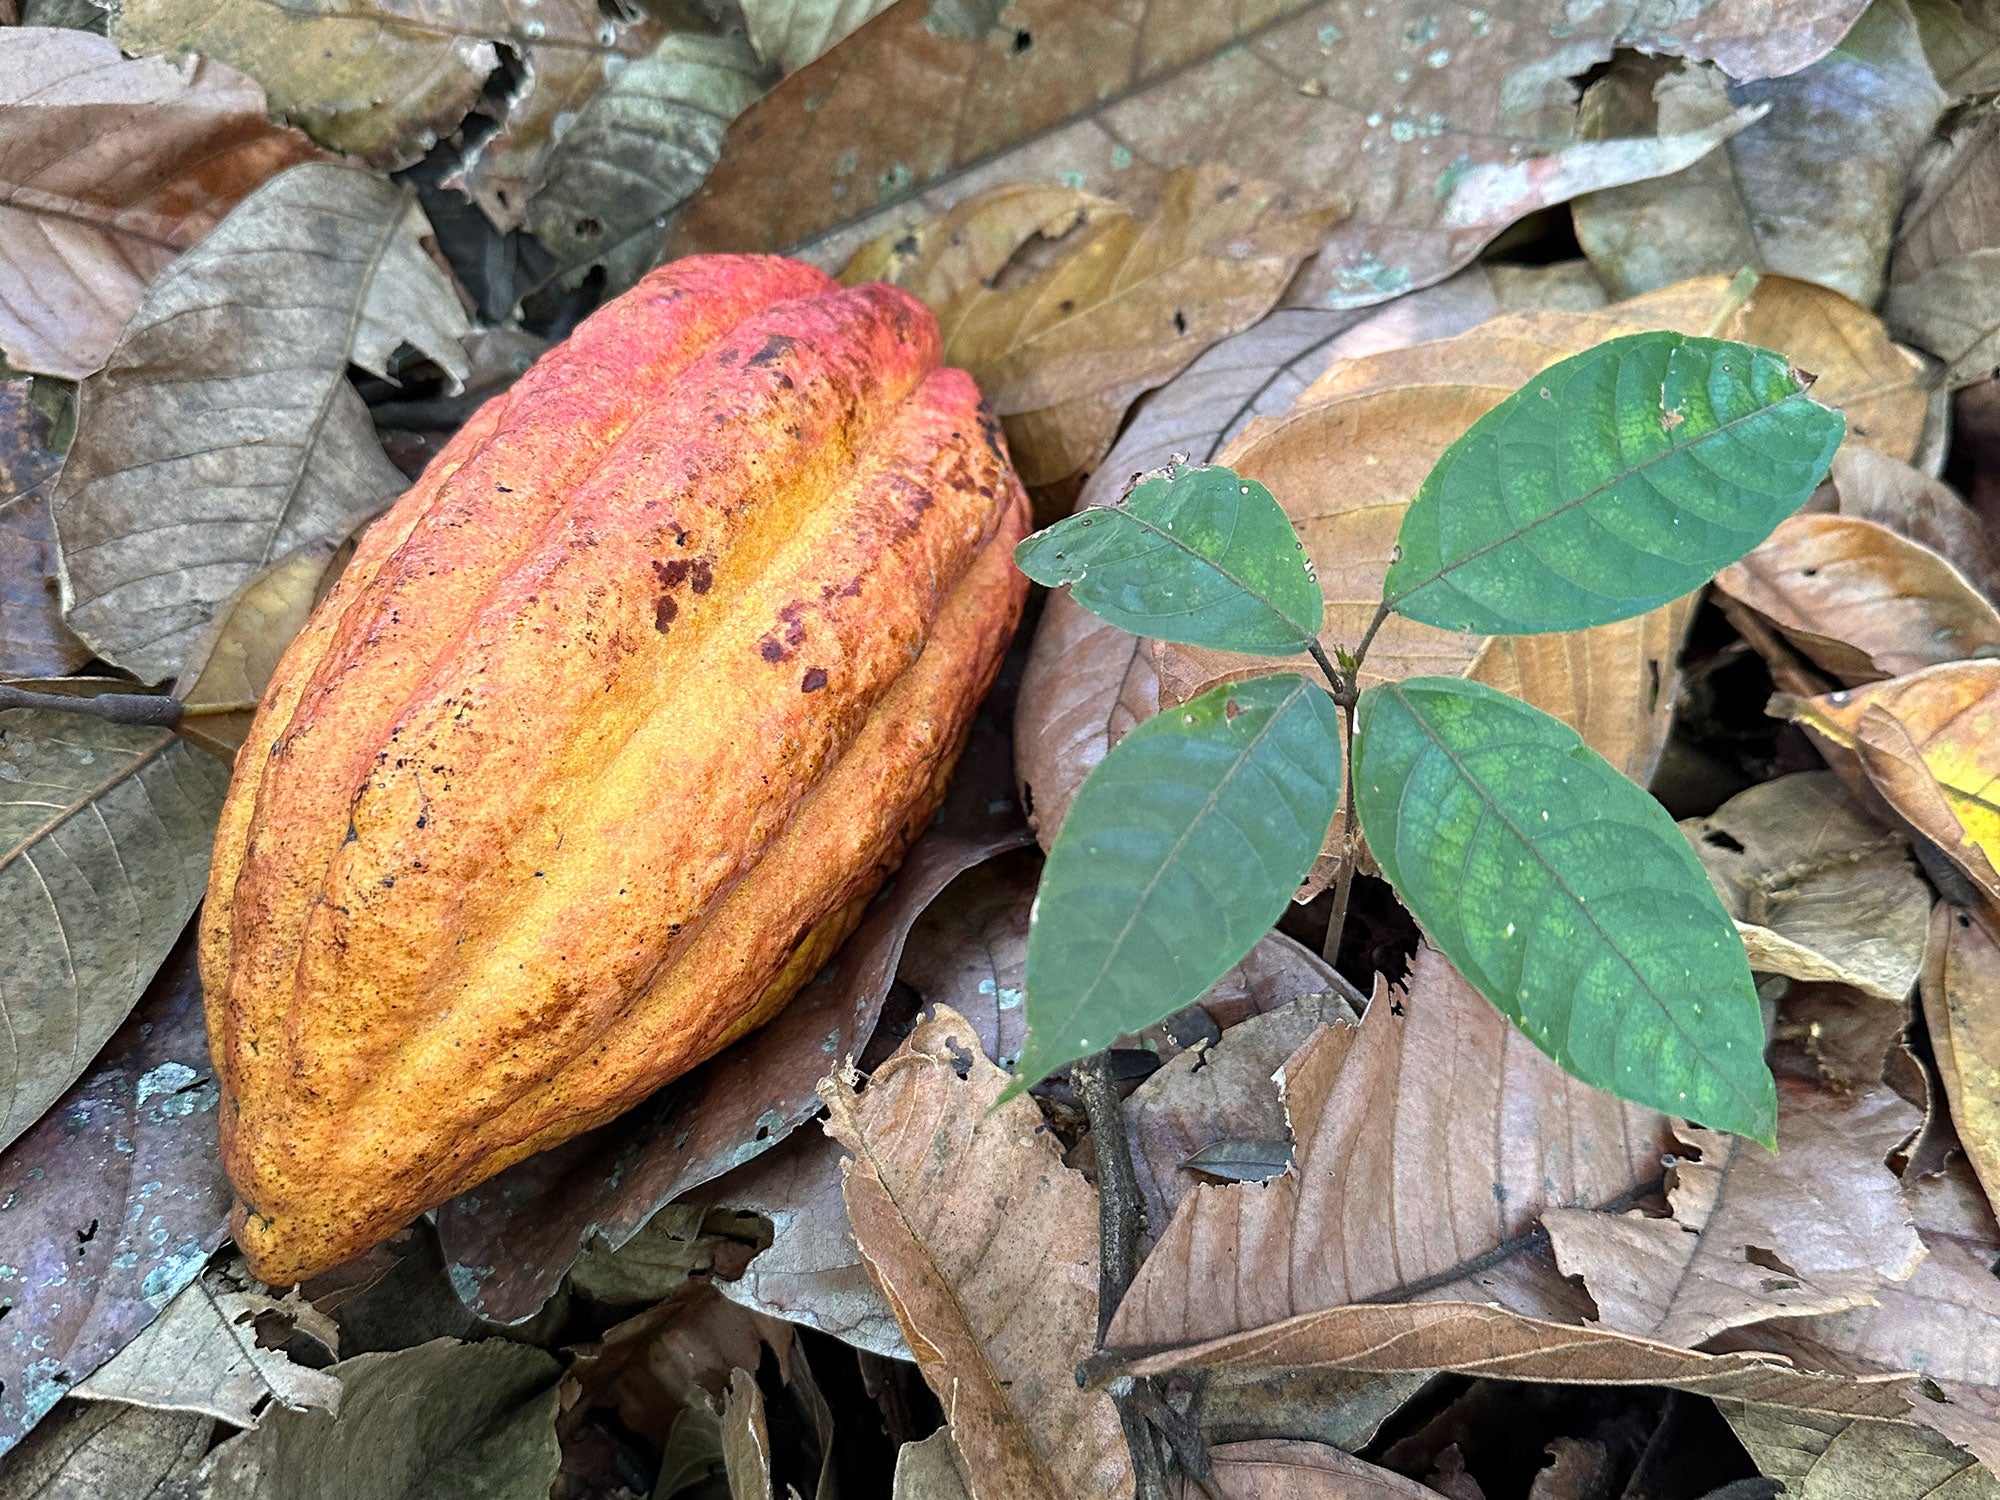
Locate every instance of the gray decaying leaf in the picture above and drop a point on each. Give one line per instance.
(1819, 888)
(113, 167)
(788, 34)
(1437, 1077)
(929, 1470)
(1811, 190)
(203, 1355)
(1287, 1469)
(442, 1419)
(223, 432)
(95, 1450)
(105, 832)
(510, 1240)
(1834, 1458)
(1440, 127)
(117, 1199)
(613, 182)
(1944, 283)
(34, 642)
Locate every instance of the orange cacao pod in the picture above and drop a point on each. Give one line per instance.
(599, 746)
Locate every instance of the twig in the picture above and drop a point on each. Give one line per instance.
(1368, 637)
(119, 708)
(1350, 845)
(1120, 1214)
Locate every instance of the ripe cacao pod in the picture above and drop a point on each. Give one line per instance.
(601, 743)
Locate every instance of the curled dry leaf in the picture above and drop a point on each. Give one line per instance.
(1928, 745)
(1874, 486)
(104, 845)
(1942, 284)
(1440, 128)
(204, 1354)
(223, 432)
(1961, 999)
(118, 1198)
(1430, 1137)
(444, 1418)
(1816, 1228)
(616, 177)
(1061, 355)
(986, 1247)
(509, 1242)
(1811, 189)
(1289, 1469)
(1819, 889)
(1861, 602)
(114, 166)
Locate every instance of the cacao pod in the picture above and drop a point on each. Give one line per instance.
(601, 743)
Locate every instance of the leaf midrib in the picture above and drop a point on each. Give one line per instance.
(1479, 788)
(1595, 493)
(88, 797)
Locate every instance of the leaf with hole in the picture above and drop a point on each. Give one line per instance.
(1616, 480)
(1566, 895)
(1177, 855)
(1200, 556)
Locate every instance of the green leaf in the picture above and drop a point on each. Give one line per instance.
(1178, 854)
(1566, 895)
(1200, 556)
(1609, 484)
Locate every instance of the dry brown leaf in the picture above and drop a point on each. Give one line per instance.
(1962, 41)
(1860, 601)
(1942, 280)
(986, 1247)
(1814, 1228)
(113, 167)
(224, 431)
(1811, 189)
(1289, 1469)
(1819, 889)
(1883, 389)
(1961, 998)
(1428, 1137)
(1874, 486)
(1928, 744)
(1061, 356)
(746, 1438)
(1441, 127)
(973, 241)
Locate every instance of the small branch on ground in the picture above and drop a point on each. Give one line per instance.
(119, 708)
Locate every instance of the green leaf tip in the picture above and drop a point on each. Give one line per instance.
(1200, 556)
(1614, 481)
(1566, 895)
(1180, 851)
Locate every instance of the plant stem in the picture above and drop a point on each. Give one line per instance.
(1335, 680)
(1350, 843)
(1368, 638)
(119, 708)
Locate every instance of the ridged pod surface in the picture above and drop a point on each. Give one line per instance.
(602, 742)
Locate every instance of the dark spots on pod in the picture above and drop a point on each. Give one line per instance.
(664, 613)
(701, 577)
(813, 681)
(989, 429)
(772, 649)
(775, 349)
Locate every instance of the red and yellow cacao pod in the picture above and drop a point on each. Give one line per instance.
(602, 742)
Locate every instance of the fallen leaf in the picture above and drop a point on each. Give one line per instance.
(1860, 601)
(1815, 1228)
(1927, 744)
(223, 432)
(1811, 189)
(1961, 988)
(1439, 128)
(929, 1470)
(746, 1439)
(113, 168)
(1579, 1469)
(1941, 281)
(203, 1355)
(1874, 486)
(1398, 1187)
(637, 150)
(34, 642)
(379, 89)
(88, 1449)
(444, 1418)
(105, 830)
(673, 1246)
(1962, 43)
(1819, 888)
(788, 34)
(1560, 286)
(118, 1197)
(986, 1247)
(1281, 1469)
(509, 1241)
(1215, 1095)
(812, 1273)
(1844, 1458)
(974, 241)
(1061, 356)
